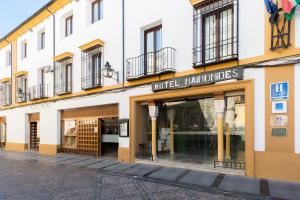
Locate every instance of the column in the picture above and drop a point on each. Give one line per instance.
(171, 116)
(153, 112)
(229, 119)
(227, 154)
(219, 109)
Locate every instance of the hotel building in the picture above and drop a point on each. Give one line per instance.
(209, 84)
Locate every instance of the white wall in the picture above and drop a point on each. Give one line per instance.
(258, 75)
(297, 27)
(5, 71)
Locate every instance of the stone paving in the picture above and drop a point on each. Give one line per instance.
(33, 176)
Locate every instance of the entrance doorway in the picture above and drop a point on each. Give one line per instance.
(187, 132)
(2, 135)
(110, 137)
(34, 136)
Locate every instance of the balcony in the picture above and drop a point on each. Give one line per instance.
(21, 96)
(63, 88)
(91, 81)
(150, 64)
(37, 92)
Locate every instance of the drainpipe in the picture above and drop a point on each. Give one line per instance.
(53, 16)
(123, 42)
(11, 70)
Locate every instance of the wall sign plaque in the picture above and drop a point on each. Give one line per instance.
(279, 120)
(206, 78)
(279, 132)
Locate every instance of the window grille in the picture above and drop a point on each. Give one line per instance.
(21, 95)
(5, 94)
(63, 77)
(215, 32)
(91, 64)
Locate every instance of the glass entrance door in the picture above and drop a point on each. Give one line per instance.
(187, 131)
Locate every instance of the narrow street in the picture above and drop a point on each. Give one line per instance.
(32, 176)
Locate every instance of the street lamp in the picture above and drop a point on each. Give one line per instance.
(109, 72)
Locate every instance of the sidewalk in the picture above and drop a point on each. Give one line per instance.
(255, 188)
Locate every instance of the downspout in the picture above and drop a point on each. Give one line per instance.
(53, 16)
(123, 42)
(11, 70)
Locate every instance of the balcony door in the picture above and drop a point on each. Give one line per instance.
(152, 44)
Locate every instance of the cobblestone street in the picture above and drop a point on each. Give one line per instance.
(31, 176)
(32, 179)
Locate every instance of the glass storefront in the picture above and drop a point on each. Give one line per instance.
(187, 130)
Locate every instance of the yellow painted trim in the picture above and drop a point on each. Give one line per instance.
(20, 73)
(54, 7)
(194, 2)
(18, 147)
(6, 79)
(48, 149)
(63, 56)
(91, 44)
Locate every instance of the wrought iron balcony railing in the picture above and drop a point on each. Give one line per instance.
(63, 88)
(37, 92)
(152, 63)
(21, 96)
(91, 81)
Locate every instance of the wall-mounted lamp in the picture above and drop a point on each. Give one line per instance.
(108, 72)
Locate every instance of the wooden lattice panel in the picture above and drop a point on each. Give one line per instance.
(88, 137)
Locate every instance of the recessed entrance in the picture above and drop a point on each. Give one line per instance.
(34, 136)
(2, 135)
(187, 131)
(91, 131)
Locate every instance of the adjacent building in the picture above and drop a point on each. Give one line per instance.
(212, 84)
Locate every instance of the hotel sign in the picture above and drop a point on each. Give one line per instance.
(204, 78)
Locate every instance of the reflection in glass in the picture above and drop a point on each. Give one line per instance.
(187, 132)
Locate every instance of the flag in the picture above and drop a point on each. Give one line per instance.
(271, 6)
(289, 8)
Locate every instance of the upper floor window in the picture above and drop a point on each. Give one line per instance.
(156, 58)
(21, 94)
(8, 58)
(63, 76)
(91, 68)
(215, 32)
(5, 93)
(96, 8)
(69, 26)
(24, 49)
(41, 40)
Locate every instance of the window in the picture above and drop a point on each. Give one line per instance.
(8, 58)
(96, 10)
(215, 32)
(41, 90)
(152, 44)
(63, 77)
(69, 26)
(5, 94)
(21, 89)
(42, 41)
(91, 68)
(24, 49)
